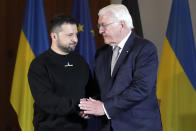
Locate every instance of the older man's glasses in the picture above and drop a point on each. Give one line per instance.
(104, 25)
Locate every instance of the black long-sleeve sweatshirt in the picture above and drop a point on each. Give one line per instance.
(57, 83)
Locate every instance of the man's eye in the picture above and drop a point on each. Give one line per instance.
(70, 35)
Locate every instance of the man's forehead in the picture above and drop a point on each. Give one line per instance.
(69, 28)
(105, 17)
(68, 25)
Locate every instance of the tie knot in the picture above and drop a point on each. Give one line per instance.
(116, 49)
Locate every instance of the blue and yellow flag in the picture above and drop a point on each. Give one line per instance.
(176, 84)
(33, 41)
(86, 44)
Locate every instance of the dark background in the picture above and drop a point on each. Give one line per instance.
(11, 18)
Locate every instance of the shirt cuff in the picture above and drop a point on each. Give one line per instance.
(106, 112)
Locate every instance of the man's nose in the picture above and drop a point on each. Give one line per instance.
(101, 30)
(75, 39)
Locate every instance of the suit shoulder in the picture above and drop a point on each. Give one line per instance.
(102, 49)
(144, 43)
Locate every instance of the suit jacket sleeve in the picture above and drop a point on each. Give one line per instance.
(141, 81)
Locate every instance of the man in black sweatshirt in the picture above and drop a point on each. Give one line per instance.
(58, 79)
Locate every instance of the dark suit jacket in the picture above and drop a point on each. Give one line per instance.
(129, 95)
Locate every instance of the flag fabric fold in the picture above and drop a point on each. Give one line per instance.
(33, 41)
(176, 82)
(86, 44)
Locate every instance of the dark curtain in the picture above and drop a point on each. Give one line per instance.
(133, 8)
(11, 17)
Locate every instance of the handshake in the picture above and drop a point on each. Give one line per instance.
(89, 106)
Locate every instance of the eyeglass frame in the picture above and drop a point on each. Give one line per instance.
(105, 25)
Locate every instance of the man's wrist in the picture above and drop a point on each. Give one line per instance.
(106, 111)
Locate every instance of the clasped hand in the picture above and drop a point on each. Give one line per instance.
(91, 107)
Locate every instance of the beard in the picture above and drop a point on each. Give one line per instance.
(67, 48)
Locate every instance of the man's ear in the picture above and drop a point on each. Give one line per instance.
(123, 24)
(53, 36)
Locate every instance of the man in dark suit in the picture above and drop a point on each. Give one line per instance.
(126, 71)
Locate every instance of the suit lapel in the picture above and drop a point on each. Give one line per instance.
(108, 60)
(107, 71)
(123, 53)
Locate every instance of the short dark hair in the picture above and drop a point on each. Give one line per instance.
(60, 19)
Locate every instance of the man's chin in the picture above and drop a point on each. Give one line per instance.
(68, 50)
(106, 42)
(73, 48)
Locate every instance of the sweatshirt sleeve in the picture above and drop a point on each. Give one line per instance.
(44, 95)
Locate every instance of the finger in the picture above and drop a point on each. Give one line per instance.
(91, 99)
(82, 108)
(83, 100)
(82, 105)
(86, 108)
(86, 117)
(81, 113)
(90, 112)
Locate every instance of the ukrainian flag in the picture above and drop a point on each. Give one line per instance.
(33, 41)
(176, 84)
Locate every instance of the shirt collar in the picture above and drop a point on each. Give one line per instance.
(122, 43)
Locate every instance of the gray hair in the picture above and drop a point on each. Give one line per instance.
(120, 12)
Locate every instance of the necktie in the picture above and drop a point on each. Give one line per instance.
(114, 57)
